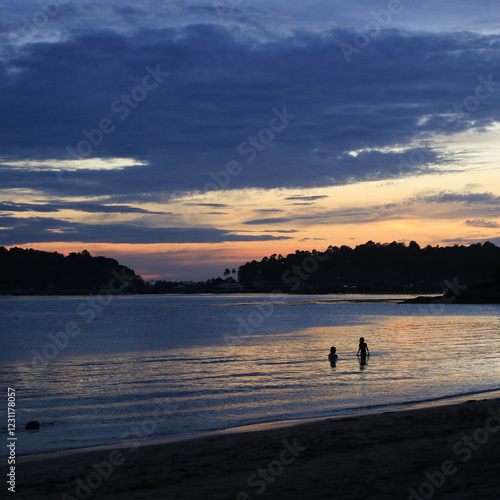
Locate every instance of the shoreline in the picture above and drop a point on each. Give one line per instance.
(340, 297)
(383, 455)
(269, 425)
(224, 294)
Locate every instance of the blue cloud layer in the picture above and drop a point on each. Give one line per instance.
(215, 108)
(46, 229)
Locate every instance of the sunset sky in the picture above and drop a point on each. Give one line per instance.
(183, 138)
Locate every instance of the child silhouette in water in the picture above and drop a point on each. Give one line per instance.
(333, 356)
(363, 350)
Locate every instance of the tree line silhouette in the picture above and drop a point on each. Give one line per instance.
(367, 268)
(51, 272)
(373, 267)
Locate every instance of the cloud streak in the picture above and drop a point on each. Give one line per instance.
(79, 207)
(21, 231)
(482, 223)
(455, 205)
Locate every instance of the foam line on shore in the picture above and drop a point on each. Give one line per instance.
(266, 426)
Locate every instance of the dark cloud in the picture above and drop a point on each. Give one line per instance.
(471, 241)
(269, 210)
(281, 231)
(213, 205)
(80, 207)
(223, 90)
(306, 198)
(38, 230)
(270, 220)
(468, 198)
(481, 223)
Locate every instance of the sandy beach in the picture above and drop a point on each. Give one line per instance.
(447, 451)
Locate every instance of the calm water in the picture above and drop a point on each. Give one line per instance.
(149, 367)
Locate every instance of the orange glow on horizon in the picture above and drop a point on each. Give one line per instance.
(402, 210)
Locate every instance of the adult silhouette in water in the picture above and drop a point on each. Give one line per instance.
(363, 351)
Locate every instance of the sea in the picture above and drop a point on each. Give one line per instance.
(134, 369)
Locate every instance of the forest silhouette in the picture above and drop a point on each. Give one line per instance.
(367, 268)
(29, 270)
(376, 267)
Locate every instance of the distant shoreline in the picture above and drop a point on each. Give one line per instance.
(343, 297)
(401, 298)
(487, 293)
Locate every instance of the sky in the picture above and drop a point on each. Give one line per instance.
(184, 138)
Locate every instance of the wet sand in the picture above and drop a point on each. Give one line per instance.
(449, 451)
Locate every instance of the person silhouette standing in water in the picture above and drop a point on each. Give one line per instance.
(363, 351)
(333, 356)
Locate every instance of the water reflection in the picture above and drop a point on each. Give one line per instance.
(363, 362)
(277, 372)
